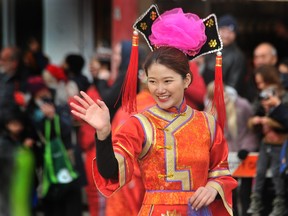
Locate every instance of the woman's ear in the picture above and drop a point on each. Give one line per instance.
(187, 80)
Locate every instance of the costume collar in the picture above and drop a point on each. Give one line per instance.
(182, 108)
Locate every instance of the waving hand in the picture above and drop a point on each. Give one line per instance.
(94, 113)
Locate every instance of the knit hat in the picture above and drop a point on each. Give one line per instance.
(56, 72)
(36, 84)
(228, 21)
(75, 63)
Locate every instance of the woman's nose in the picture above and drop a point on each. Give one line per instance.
(160, 88)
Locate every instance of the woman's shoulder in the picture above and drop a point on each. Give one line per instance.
(204, 113)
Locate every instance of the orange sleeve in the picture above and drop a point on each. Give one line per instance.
(127, 145)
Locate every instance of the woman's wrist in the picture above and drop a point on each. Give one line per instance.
(104, 133)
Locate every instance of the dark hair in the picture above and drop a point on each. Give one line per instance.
(269, 73)
(284, 61)
(170, 57)
(75, 63)
(14, 114)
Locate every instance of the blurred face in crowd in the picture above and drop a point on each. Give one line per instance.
(228, 36)
(264, 54)
(116, 59)
(283, 68)
(94, 66)
(7, 63)
(15, 127)
(260, 83)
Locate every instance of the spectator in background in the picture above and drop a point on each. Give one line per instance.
(13, 78)
(111, 93)
(271, 123)
(239, 137)
(61, 199)
(56, 80)
(264, 54)
(234, 62)
(283, 69)
(34, 59)
(17, 165)
(73, 66)
(99, 66)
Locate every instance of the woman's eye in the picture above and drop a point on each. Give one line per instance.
(151, 81)
(168, 81)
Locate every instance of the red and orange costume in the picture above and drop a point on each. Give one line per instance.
(178, 151)
(128, 200)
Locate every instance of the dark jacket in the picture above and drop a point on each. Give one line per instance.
(233, 68)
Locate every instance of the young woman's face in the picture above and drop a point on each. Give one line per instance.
(260, 82)
(166, 86)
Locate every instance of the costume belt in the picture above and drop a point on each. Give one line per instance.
(167, 197)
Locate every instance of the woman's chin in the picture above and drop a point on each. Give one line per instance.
(164, 105)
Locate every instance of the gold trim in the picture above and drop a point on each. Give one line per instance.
(122, 172)
(211, 125)
(217, 173)
(148, 134)
(164, 114)
(176, 175)
(117, 145)
(218, 187)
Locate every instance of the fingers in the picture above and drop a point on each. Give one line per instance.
(77, 114)
(78, 111)
(102, 105)
(78, 108)
(88, 99)
(202, 197)
(81, 101)
(197, 200)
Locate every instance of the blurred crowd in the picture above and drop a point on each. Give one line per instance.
(33, 90)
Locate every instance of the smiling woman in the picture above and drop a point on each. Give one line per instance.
(166, 80)
(182, 152)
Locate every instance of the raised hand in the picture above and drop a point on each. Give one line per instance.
(94, 113)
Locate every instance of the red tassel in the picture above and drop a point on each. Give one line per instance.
(129, 88)
(218, 100)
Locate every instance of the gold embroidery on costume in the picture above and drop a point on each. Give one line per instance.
(164, 147)
(143, 26)
(171, 213)
(223, 164)
(153, 15)
(179, 114)
(165, 176)
(212, 43)
(219, 173)
(210, 23)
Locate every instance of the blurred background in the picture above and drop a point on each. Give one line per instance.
(64, 26)
(82, 36)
